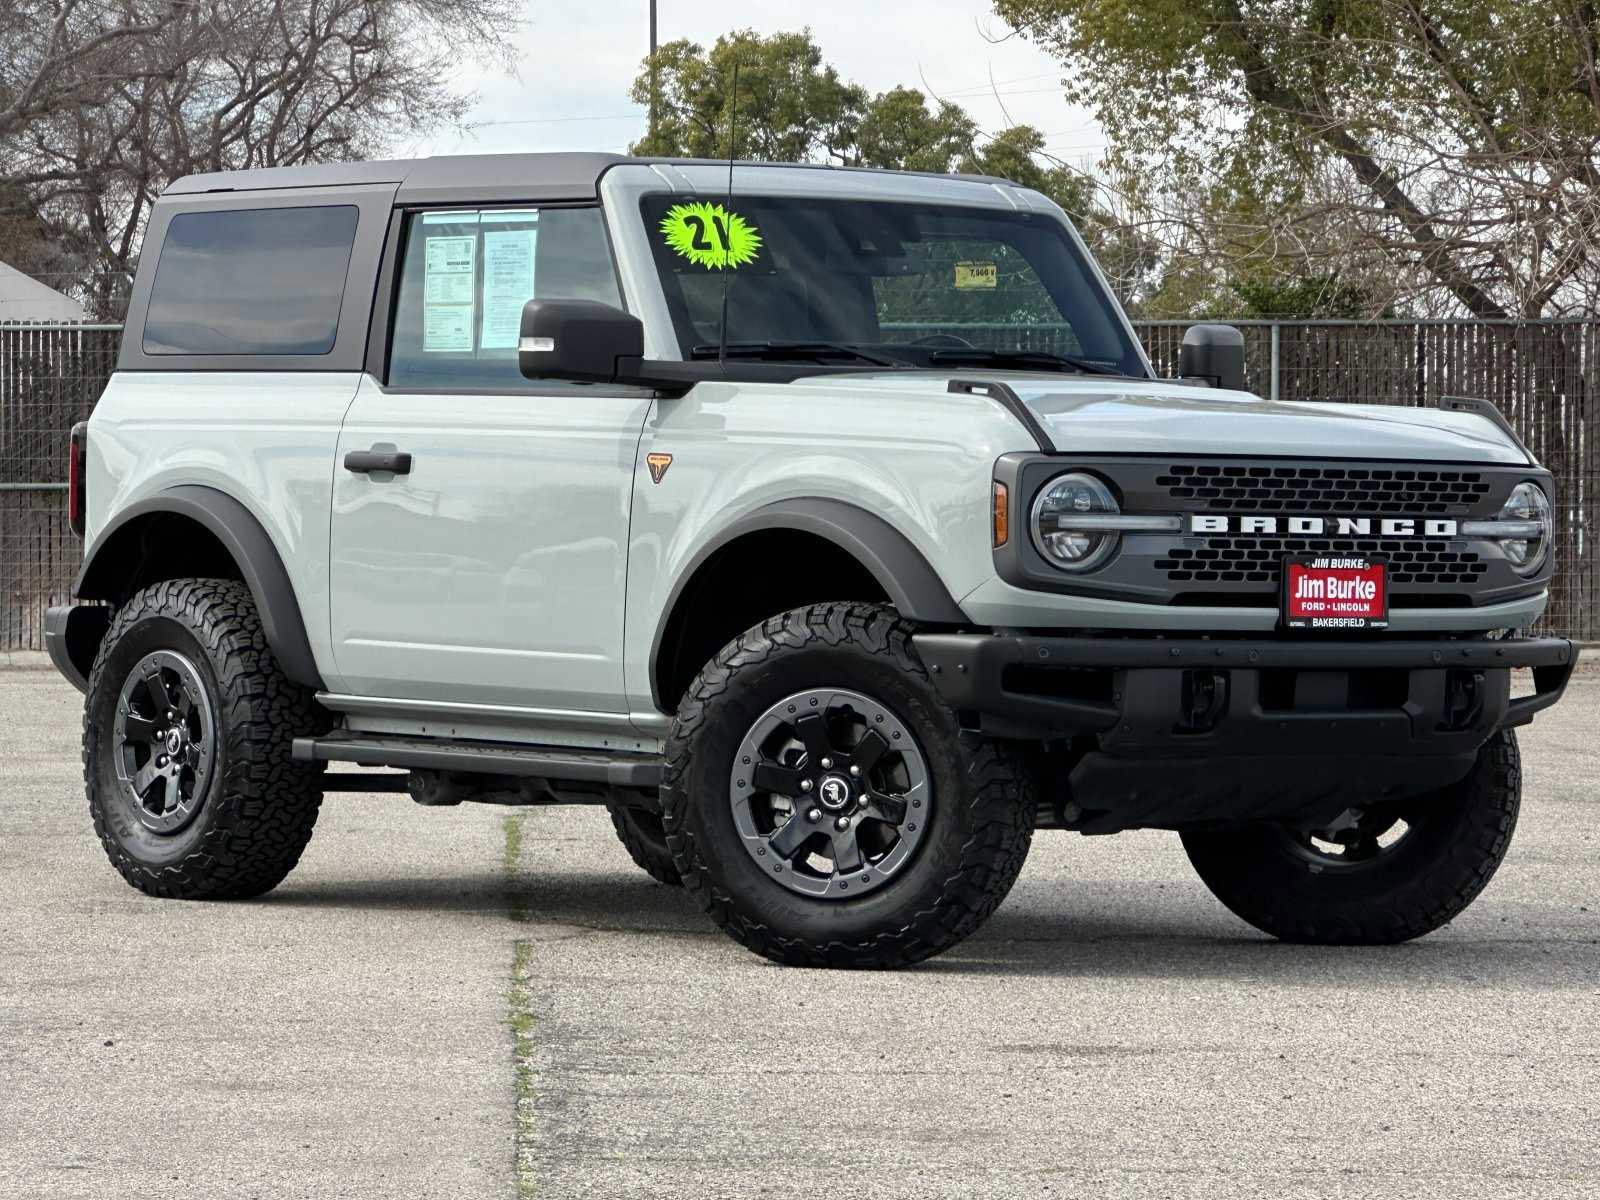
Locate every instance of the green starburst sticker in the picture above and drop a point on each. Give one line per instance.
(710, 236)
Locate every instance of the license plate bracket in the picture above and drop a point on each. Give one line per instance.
(1335, 592)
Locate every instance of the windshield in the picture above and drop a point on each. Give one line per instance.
(907, 283)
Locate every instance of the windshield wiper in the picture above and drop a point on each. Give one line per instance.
(783, 350)
(977, 356)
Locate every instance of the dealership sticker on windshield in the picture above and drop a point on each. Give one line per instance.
(710, 235)
(977, 276)
(1335, 591)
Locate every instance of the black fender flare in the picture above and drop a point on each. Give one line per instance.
(252, 548)
(912, 585)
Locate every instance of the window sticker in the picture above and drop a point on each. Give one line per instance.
(976, 276)
(710, 236)
(447, 327)
(508, 258)
(448, 275)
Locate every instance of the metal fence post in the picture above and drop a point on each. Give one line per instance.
(1277, 331)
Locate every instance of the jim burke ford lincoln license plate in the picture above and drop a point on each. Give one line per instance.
(1335, 591)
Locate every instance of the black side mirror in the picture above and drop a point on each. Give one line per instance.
(578, 340)
(1214, 353)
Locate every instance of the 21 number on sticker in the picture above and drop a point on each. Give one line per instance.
(710, 236)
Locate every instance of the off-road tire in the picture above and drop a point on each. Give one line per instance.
(641, 834)
(973, 847)
(1412, 890)
(259, 808)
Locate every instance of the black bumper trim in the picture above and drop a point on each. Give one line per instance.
(969, 670)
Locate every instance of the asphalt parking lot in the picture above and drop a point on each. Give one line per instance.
(476, 1003)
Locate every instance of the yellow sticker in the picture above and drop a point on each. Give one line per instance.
(710, 236)
(977, 275)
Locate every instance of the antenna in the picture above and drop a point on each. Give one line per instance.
(727, 218)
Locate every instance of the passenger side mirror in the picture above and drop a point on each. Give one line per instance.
(578, 340)
(1214, 353)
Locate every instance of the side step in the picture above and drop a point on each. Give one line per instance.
(616, 768)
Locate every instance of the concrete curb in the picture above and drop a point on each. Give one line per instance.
(25, 660)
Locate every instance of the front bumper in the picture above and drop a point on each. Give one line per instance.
(1150, 691)
(1196, 733)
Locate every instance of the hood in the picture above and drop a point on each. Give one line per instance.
(1091, 415)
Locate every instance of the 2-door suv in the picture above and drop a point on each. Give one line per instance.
(830, 527)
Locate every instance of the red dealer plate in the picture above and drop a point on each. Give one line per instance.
(1335, 591)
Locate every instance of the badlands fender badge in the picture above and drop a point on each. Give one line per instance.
(1335, 591)
(658, 464)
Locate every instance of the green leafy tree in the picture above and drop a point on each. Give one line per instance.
(792, 107)
(1454, 139)
(899, 131)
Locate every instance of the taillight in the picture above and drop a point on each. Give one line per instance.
(77, 453)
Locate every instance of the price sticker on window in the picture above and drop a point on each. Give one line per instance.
(976, 276)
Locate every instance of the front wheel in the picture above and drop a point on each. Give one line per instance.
(1378, 875)
(826, 807)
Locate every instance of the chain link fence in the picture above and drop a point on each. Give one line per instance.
(50, 378)
(1543, 375)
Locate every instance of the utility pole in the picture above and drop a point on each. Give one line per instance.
(654, 91)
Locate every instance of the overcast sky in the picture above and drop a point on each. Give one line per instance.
(570, 90)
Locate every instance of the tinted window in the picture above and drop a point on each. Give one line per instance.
(466, 277)
(261, 281)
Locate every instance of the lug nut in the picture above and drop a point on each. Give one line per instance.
(805, 785)
(814, 815)
(842, 823)
(161, 760)
(826, 763)
(854, 770)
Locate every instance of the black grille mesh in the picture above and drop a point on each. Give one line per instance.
(1259, 560)
(1389, 491)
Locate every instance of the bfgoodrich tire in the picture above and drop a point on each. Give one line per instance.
(186, 746)
(1386, 875)
(825, 806)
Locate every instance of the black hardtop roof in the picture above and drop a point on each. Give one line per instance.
(469, 178)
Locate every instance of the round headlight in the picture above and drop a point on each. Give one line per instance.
(1058, 514)
(1528, 502)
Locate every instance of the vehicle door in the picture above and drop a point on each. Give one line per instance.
(487, 564)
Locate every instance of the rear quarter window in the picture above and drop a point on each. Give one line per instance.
(251, 281)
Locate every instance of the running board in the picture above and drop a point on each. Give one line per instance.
(616, 768)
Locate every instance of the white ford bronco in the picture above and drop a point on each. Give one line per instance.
(830, 527)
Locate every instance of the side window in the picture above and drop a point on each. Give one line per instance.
(466, 276)
(251, 281)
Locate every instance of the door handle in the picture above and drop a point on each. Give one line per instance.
(364, 462)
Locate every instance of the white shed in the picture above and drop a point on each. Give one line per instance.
(23, 298)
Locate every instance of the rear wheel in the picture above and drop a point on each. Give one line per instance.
(186, 746)
(826, 807)
(1377, 875)
(639, 830)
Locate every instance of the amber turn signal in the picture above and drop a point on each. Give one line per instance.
(1002, 515)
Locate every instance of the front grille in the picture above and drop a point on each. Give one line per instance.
(1385, 491)
(1260, 560)
(1235, 569)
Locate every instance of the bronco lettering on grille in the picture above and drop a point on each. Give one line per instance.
(1428, 527)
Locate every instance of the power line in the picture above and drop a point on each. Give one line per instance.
(634, 116)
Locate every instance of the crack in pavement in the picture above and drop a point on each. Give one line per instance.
(520, 1019)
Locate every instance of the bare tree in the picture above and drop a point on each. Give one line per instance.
(210, 85)
(69, 53)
